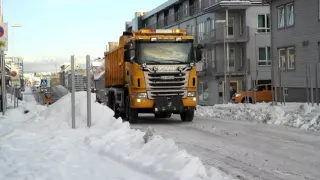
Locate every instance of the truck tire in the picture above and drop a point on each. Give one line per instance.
(163, 115)
(131, 114)
(187, 115)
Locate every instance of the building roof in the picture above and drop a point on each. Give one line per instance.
(159, 8)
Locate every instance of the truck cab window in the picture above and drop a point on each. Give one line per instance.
(164, 52)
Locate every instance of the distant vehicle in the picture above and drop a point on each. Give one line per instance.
(48, 98)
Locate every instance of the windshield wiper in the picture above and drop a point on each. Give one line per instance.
(153, 61)
(176, 61)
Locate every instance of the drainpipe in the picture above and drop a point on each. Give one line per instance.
(228, 65)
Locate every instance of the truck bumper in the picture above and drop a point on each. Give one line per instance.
(174, 104)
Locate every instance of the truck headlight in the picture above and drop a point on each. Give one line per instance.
(141, 95)
(191, 94)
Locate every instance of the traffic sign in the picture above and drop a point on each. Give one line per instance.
(44, 83)
(4, 36)
(1, 31)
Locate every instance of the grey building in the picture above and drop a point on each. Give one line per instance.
(295, 46)
(245, 43)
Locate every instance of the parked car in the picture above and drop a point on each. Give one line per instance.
(263, 94)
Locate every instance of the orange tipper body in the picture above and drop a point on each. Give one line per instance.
(154, 70)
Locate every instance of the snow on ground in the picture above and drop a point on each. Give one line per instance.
(300, 115)
(42, 145)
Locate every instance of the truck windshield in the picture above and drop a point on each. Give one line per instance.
(164, 52)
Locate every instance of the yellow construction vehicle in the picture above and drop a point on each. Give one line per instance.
(153, 71)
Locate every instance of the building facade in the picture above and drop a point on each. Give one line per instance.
(235, 36)
(295, 49)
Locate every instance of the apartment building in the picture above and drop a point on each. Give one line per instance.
(295, 38)
(237, 32)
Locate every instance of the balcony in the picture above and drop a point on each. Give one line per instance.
(179, 16)
(202, 37)
(235, 35)
(220, 5)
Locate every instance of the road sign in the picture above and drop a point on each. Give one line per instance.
(43, 83)
(4, 37)
(1, 31)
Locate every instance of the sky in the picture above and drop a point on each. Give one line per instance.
(53, 30)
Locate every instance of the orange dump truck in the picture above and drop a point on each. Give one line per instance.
(152, 71)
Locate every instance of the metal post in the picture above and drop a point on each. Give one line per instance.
(246, 82)
(311, 86)
(307, 84)
(14, 97)
(73, 94)
(317, 84)
(88, 92)
(3, 82)
(280, 85)
(225, 65)
(254, 92)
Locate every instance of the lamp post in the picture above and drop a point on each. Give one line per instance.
(15, 26)
(226, 68)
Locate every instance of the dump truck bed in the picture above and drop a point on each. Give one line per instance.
(115, 65)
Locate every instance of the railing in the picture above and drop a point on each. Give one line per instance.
(179, 15)
(235, 34)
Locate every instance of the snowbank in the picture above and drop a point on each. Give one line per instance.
(44, 146)
(298, 115)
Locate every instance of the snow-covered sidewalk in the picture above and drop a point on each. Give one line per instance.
(300, 115)
(42, 145)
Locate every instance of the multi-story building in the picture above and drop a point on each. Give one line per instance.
(295, 38)
(234, 34)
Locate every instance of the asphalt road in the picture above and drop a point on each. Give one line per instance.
(244, 150)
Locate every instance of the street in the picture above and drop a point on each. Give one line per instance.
(244, 150)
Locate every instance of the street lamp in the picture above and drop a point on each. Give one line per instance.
(15, 26)
(225, 59)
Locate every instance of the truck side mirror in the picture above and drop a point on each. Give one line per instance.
(126, 53)
(198, 53)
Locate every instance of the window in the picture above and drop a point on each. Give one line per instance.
(212, 28)
(201, 31)
(264, 23)
(291, 58)
(200, 5)
(230, 26)
(241, 25)
(290, 15)
(287, 58)
(193, 30)
(281, 17)
(261, 88)
(242, 57)
(213, 58)
(269, 87)
(264, 56)
(208, 29)
(282, 58)
(232, 57)
(205, 58)
(186, 10)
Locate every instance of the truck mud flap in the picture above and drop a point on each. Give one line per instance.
(168, 104)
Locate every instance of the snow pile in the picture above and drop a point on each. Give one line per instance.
(43, 146)
(299, 115)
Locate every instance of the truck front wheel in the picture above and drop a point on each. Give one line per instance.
(187, 115)
(131, 114)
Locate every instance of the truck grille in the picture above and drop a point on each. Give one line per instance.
(166, 84)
